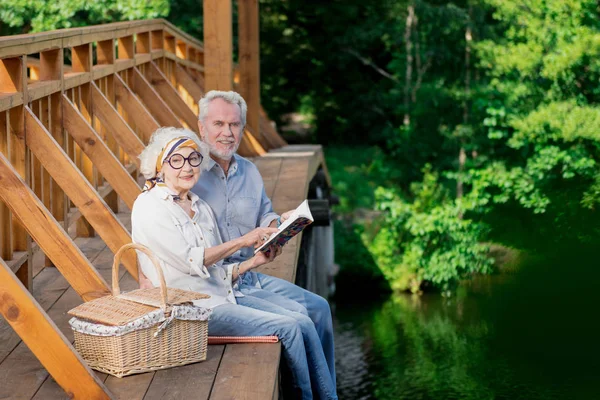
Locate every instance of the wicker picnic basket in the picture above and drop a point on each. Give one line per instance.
(143, 330)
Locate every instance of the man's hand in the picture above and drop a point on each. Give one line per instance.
(286, 215)
(281, 218)
(257, 237)
(261, 258)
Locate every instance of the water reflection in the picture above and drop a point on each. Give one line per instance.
(483, 343)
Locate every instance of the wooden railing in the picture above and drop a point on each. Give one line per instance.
(76, 108)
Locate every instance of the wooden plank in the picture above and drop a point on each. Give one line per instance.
(269, 168)
(49, 235)
(247, 371)
(135, 109)
(185, 80)
(152, 100)
(292, 186)
(59, 209)
(218, 45)
(120, 131)
(48, 286)
(44, 339)
(79, 190)
(169, 94)
(249, 64)
(95, 148)
(192, 381)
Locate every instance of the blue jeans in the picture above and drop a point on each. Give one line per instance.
(302, 301)
(254, 316)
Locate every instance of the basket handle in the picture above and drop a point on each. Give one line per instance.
(115, 270)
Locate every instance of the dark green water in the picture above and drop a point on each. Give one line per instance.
(527, 335)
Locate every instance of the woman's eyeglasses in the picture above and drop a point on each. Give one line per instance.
(177, 161)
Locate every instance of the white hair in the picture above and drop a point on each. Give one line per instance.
(230, 97)
(159, 139)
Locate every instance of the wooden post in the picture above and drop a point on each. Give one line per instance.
(46, 341)
(82, 62)
(249, 64)
(106, 56)
(19, 157)
(218, 45)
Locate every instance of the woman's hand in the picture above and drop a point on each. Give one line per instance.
(256, 237)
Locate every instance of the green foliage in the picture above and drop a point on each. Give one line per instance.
(426, 239)
(23, 16)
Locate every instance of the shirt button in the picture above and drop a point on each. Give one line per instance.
(228, 224)
(201, 238)
(191, 260)
(229, 291)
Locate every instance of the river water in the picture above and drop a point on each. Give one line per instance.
(510, 336)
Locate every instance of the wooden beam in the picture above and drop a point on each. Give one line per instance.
(46, 341)
(155, 104)
(79, 190)
(249, 147)
(110, 119)
(218, 45)
(49, 235)
(135, 109)
(185, 80)
(169, 94)
(249, 64)
(104, 160)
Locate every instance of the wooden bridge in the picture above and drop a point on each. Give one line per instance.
(77, 106)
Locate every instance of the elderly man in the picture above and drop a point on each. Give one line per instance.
(234, 189)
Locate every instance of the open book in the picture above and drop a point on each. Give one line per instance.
(300, 218)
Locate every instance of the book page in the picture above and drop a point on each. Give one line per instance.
(300, 218)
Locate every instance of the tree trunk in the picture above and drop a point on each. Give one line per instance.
(462, 155)
(409, 61)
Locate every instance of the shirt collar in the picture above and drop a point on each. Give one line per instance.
(233, 167)
(165, 193)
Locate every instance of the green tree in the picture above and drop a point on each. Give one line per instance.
(25, 16)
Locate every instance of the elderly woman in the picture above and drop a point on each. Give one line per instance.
(181, 230)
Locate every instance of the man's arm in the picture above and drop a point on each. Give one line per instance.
(266, 215)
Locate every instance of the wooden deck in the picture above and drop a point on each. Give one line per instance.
(240, 371)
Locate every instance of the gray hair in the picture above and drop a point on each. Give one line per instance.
(159, 140)
(230, 97)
